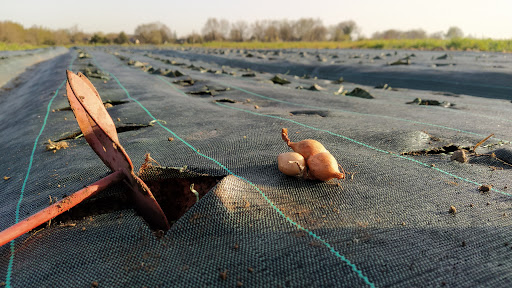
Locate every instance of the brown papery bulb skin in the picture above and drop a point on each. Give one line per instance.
(291, 164)
(306, 148)
(324, 167)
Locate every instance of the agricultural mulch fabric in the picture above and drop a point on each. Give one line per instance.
(406, 215)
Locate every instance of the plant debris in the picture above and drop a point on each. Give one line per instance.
(137, 63)
(361, 93)
(444, 57)
(96, 73)
(316, 87)
(6, 178)
(419, 101)
(481, 142)
(54, 146)
(83, 55)
(404, 61)
(339, 81)
(185, 82)
(224, 274)
(279, 80)
(209, 90)
(453, 210)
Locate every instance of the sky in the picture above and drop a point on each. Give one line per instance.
(480, 19)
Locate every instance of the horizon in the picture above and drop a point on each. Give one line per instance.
(186, 18)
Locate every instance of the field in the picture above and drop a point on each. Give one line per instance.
(424, 201)
(462, 44)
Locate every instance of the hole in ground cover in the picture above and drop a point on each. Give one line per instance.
(107, 104)
(120, 129)
(311, 112)
(170, 186)
(439, 150)
(176, 195)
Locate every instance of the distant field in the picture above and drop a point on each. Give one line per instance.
(419, 44)
(461, 44)
(15, 46)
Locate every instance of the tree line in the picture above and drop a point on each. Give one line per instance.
(304, 29)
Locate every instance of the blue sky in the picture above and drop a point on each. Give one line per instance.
(489, 18)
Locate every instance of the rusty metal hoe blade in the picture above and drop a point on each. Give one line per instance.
(100, 132)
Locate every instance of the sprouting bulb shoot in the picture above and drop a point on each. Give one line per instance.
(306, 148)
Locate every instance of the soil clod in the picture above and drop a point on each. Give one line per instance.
(485, 188)
(460, 156)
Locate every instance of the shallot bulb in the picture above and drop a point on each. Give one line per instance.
(324, 167)
(291, 164)
(320, 164)
(306, 147)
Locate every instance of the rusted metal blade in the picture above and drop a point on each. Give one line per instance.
(88, 96)
(99, 140)
(96, 125)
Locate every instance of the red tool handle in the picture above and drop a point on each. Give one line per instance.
(58, 208)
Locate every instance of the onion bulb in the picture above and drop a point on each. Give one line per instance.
(324, 167)
(306, 148)
(291, 164)
(319, 163)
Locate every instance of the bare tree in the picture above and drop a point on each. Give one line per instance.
(415, 34)
(215, 30)
(194, 38)
(397, 34)
(344, 30)
(11, 32)
(154, 33)
(309, 29)
(388, 34)
(286, 30)
(437, 35)
(271, 31)
(239, 31)
(61, 36)
(76, 35)
(454, 32)
(258, 30)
